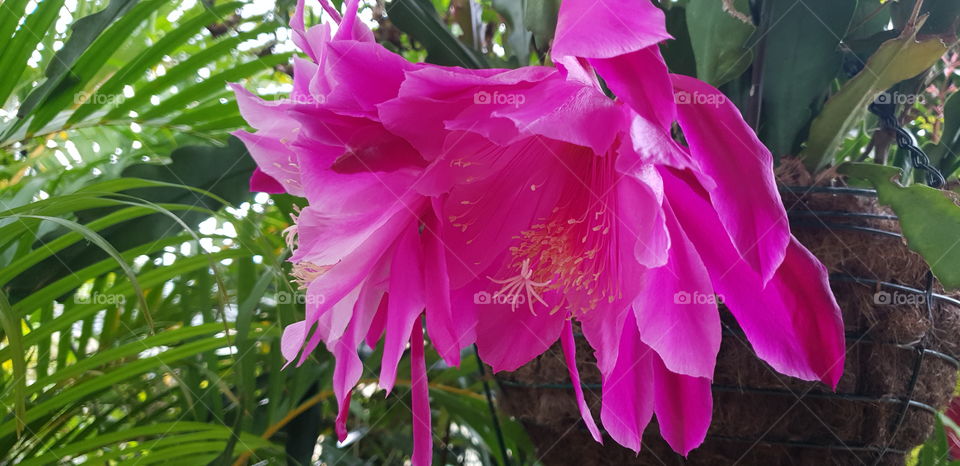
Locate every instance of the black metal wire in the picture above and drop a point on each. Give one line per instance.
(885, 110)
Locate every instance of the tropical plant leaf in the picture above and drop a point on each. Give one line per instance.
(801, 57)
(896, 60)
(419, 19)
(718, 38)
(929, 218)
(540, 18)
(517, 41)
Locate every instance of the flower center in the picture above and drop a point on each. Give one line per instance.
(574, 250)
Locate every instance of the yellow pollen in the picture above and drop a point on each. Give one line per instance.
(575, 256)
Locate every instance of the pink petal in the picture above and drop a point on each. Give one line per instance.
(274, 159)
(652, 144)
(404, 306)
(327, 237)
(793, 322)
(343, 411)
(350, 27)
(304, 72)
(677, 307)
(269, 117)
(348, 367)
(603, 331)
(639, 199)
(332, 286)
(570, 355)
(508, 339)
(379, 323)
(684, 406)
(420, 396)
(728, 152)
(264, 183)
(363, 75)
(312, 41)
(625, 28)
(641, 80)
(628, 397)
(292, 340)
(444, 326)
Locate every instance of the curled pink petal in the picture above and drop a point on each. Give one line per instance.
(570, 356)
(405, 304)
(684, 407)
(628, 396)
(727, 152)
(420, 394)
(579, 21)
(793, 322)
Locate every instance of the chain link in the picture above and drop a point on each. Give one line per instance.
(906, 141)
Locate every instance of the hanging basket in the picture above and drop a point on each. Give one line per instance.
(903, 335)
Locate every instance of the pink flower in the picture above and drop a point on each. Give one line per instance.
(359, 240)
(540, 200)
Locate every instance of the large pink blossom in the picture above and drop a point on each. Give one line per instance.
(506, 204)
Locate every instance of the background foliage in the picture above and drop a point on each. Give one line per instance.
(143, 288)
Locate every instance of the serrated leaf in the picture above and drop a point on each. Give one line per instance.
(929, 218)
(896, 60)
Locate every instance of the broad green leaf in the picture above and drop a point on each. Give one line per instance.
(517, 39)
(942, 20)
(929, 218)
(540, 18)
(678, 53)
(719, 38)
(896, 60)
(419, 19)
(801, 57)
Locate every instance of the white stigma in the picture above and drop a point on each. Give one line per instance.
(521, 283)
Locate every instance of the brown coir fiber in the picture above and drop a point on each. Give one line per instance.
(765, 418)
